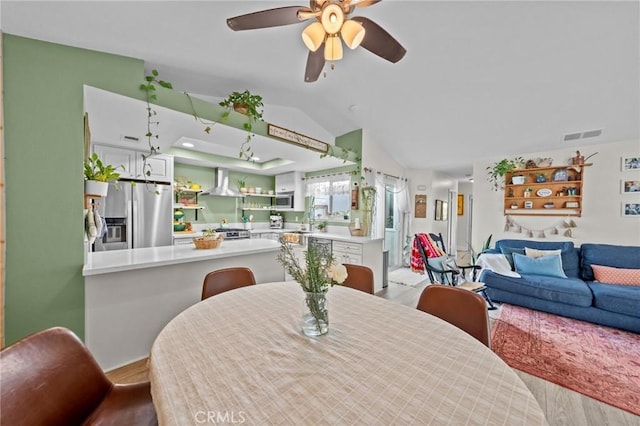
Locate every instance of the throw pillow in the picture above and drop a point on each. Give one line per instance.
(508, 253)
(621, 276)
(535, 253)
(550, 266)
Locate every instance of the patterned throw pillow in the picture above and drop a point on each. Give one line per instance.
(535, 253)
(610, 275)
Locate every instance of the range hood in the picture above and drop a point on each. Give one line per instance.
(222, 185)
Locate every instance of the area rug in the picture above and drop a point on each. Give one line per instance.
(406, 277)
(600, 362)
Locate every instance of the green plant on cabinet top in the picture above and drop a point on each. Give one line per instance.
(94, 169)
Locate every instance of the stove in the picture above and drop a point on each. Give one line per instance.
(234, 233)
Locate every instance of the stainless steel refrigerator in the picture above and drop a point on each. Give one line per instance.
(136, 216)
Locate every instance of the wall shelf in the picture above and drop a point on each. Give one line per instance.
(566, 194)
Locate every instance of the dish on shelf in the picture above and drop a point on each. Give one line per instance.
(544, 192)
(549, 205)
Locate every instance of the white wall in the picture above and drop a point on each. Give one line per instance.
(437, 186)
(601, 221)
(466, 190)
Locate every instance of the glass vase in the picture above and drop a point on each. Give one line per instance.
(315, 314)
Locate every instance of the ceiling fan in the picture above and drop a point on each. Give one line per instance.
(332, 23)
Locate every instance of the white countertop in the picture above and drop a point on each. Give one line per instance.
(123, 260)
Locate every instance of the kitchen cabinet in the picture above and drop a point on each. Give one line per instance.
(554, 191)
(292, 183)
(347, 252)
(160, 166)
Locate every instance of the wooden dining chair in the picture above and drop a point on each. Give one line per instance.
(462, 308)
(222, 280)
(51, 378)
(359, 277)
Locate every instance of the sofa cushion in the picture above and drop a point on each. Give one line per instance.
(620, 276)
(550, 266)
(570, 254)
(508, 254)
(572, 291)
(616, 298)
(608, 255)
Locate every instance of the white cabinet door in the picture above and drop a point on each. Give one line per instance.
(285, 182)
(118, 157)
(160, 167)
(292, 183)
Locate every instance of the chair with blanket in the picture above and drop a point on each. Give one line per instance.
(427, 256)
(439, 242)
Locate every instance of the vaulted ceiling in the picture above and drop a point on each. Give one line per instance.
(480, 79)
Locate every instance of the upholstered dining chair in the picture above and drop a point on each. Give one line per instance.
(51, 378)
(222, 280)
(359, 277)
(462, 308)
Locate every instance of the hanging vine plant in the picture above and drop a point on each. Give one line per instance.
(247, 104)
(149, 89)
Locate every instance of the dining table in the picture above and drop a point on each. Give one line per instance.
(241, 357)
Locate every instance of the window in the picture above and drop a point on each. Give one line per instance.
(330, 197)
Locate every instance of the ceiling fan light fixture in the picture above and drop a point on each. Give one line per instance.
(333, 48)
(352, 33)
(313, 36)
(332, 18)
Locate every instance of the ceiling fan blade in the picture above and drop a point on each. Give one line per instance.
(267, 18)
(379, 42)
(315, 63)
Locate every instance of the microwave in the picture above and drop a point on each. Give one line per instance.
(284, 201)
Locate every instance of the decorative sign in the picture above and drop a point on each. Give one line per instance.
(296, 138)
(460, 204)
(421, 206)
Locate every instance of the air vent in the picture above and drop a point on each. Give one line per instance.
(592, 133)
(127, 138)
(572, 136)
(582, 135)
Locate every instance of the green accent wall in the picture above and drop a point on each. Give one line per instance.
(44, 151)
(43, 117)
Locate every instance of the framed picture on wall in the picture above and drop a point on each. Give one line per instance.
(438, 212)
(630, 186)
(460, 204)
(420, 210)
(631, 209)
(630, 163)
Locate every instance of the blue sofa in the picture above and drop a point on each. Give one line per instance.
(576, 296)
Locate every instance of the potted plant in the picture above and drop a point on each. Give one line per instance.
(249, 105)
(500, 168)
(322, 226)
(97, 175)
(242, 185)
(527, 192)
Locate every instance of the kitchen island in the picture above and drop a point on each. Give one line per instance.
(130, 295)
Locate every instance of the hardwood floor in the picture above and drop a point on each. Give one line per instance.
(562, 406)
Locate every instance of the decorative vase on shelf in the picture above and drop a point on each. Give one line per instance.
(315, 314)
